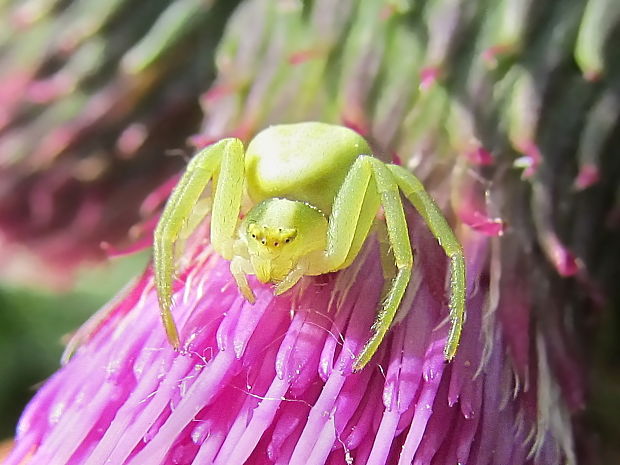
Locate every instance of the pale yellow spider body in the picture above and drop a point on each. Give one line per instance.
(315, 191)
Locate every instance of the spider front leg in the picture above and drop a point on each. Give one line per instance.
(312, 263)
(414, 191)
(224, 161)
(240, 267)
(353, 213)
(398, 235)
(292, 278)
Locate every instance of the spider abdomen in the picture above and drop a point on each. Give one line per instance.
(281, 163)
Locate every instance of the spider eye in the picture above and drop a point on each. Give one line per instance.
(275, 244)
(254, 236)
(287, 241)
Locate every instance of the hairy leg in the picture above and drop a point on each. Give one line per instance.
(227, 198)
(398, 234)
(413, 189)
(240, 267)
(177, 213)
(347, 209)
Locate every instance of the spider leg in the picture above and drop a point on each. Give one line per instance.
(227, 198)
(220, 157)
(398, 235)
(413, 189)
(349, 223)
(292, 277)
(240, 267)
(353, 212)
(388, 262)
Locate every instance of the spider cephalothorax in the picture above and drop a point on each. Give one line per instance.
(279, 233)
(315, 190)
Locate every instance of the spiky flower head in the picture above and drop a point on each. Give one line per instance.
(506, 112)
(93, 95)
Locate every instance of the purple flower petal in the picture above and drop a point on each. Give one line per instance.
(273, 383)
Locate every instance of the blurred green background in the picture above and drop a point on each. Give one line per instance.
(34, 325)
(94, 95)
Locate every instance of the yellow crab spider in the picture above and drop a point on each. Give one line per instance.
(316, 190)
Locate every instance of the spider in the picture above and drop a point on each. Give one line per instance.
(316, 191)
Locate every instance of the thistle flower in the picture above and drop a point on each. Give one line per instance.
(272, 382)
(491, 118)
(90, 91)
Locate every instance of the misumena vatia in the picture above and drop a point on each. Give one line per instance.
(316, 191)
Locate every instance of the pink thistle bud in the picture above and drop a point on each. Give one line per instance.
(588, 176)
(479, 156)
(530, 161)
(428, 77)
